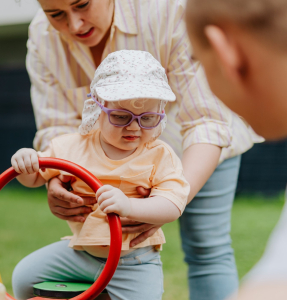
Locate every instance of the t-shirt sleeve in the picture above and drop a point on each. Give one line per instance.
(48, 173)
(168, 180)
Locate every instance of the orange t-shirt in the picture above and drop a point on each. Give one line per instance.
(153, 166)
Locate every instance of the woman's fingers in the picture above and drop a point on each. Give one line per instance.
(66, 205)
(139, 228)
(67, 212)
(142, 191)
(129, 222)
(56, 190)
(77, 218)
(143, 236)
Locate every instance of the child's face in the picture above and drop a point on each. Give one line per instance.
(132, 136)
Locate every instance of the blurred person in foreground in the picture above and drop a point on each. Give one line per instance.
(243, 47)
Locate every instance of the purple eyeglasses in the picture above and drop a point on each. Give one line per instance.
(123, 118)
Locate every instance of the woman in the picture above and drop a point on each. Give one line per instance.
(67, 41)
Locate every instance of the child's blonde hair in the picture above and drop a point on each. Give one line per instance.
(267, 19)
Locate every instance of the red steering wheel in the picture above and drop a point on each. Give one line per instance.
(114, 221)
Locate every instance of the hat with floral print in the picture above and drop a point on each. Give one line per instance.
(126, 75)
(131, 74)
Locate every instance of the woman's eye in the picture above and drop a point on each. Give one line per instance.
(83, 5)
(57, 14)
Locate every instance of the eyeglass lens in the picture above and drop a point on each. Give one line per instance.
(121, 118)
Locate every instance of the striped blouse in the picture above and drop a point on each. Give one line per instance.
(61, 70)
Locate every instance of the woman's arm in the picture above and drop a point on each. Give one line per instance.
(199, 162)
(205, 121)
(55, 114)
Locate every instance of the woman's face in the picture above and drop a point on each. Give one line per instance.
(86, 21)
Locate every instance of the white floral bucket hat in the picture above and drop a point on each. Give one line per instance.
(126, 75)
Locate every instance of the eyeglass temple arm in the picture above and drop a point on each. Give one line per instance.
(97, 102)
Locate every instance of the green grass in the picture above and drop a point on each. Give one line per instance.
(26, 224)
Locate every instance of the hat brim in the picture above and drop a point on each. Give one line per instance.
(128, 91)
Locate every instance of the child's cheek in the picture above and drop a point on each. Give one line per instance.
(148, 135)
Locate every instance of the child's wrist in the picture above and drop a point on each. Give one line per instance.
(129, 215)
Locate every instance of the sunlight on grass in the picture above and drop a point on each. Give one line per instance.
(26, 224)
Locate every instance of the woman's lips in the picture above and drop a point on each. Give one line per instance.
(87, 34)
(130, 138)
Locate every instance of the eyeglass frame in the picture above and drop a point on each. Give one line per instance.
(138, 117)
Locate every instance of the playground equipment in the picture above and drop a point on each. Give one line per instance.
(63, 290)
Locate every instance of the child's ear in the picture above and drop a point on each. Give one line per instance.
(226, 51)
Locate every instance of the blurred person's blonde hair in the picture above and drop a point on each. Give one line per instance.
(267, 19)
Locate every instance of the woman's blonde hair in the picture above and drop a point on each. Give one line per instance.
(267, 19)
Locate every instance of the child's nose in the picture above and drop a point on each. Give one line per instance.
(133, 126)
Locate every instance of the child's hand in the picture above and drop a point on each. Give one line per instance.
(113, 200)
(25, 161)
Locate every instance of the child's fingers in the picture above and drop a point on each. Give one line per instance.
(103, 189)
(111, 209)
(28, 164)
(15, 165)
(104, 196)
(35, 162)
(104, 204)
(21, 165)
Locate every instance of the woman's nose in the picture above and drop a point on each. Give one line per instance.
(75, 22)
(133, 126)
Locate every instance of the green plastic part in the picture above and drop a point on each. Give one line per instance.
(60, 290)
(62, 286)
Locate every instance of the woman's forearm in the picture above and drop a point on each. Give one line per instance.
(153, 210)
(199, 162)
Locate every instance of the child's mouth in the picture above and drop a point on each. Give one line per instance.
(131, 137)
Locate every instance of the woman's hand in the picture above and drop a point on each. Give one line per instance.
(66, 205)
(145, 230)
(113, 200)
(25, 161)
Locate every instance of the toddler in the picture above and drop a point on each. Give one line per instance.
(128, 95)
